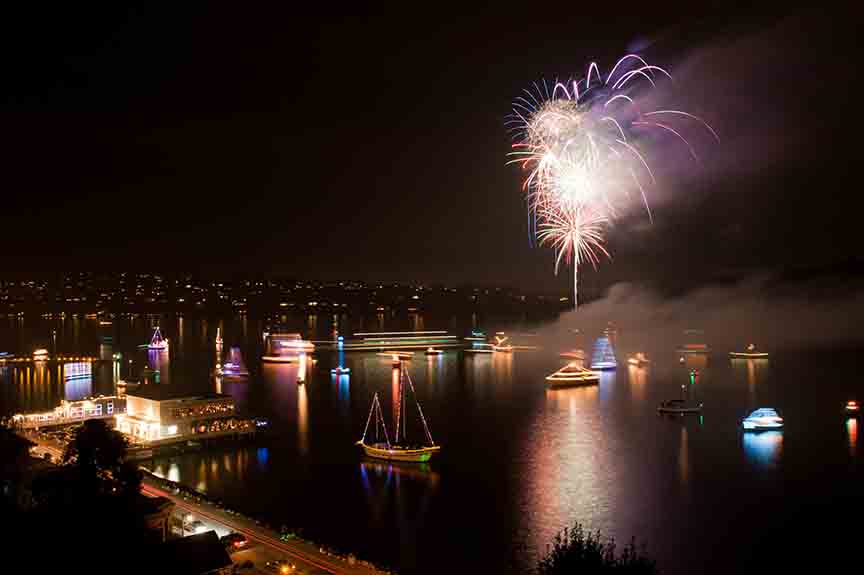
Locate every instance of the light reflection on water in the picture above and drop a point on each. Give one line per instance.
(404, 491)
(763, 448)
(567, 476)
(638, 377)
(683, 456)
(532, 459)
(174, 472)
(852, 434)
(302, 420)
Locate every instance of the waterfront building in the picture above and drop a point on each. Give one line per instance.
(100, 407)
(155, 414)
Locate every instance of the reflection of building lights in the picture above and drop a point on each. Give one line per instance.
(174, 473)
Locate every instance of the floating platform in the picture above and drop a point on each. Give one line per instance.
(679, 407)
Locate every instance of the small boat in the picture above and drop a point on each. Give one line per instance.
(852, 408)
(573, 354)
(157, 342)
(340, 370)
(233, 367)
(399, 449)
(750, 353)
(573, 375)
(694, 348)
(638, 359)
(762, 419)
(285, 347)
(40, 355)
(432, 351)
(501, 344)
(679, 407)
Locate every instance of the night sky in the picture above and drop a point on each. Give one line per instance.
(372, 146)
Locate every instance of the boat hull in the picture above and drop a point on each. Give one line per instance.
(582, 382)
(679, 411)
(398, 454)
(278, 359)
(745, 355)
(761, 427)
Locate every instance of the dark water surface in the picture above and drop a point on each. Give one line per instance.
(519, 461)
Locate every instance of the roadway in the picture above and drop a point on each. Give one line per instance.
(265, 543)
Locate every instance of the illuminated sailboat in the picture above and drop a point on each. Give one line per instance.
(399, 449)
(573, 375)
(603, 357)
(502, 343)
(157, 342)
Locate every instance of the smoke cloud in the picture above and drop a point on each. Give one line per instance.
(773, 316)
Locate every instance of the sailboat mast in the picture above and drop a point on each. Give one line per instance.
(420, 411)
(368, 419)
(403, 410)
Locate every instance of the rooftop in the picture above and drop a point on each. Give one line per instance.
(195, 554)
(158, 393)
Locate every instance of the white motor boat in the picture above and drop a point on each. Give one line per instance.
(762, 419)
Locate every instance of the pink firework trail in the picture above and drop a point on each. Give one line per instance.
(577, 147)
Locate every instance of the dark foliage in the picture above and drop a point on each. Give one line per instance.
(87, 509)
(577, 551)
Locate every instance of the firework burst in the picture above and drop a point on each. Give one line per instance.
(577, 145)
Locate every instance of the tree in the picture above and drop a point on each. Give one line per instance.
(96, 449)
(579, 551)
